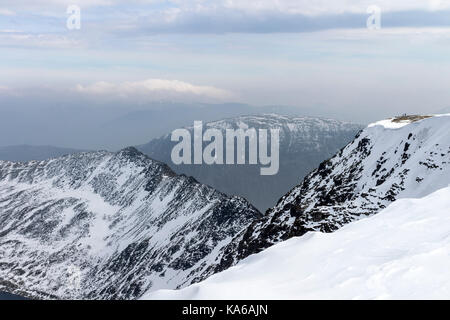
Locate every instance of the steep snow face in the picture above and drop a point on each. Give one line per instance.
(384, 163)
(304, 144)
(108, 225)
(401, 253)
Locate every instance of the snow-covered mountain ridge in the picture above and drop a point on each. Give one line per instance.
(387, 161)
(304, 143)
(108, 225)
(401, 253)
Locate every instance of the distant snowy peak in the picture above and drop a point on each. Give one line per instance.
(272, 120)
(108, 225)
(27, 153)
(303, 144)
(378, 167)
(305, 128)
(294, 131)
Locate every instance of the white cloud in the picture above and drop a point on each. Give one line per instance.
(5, 90)
(222, 16)
(311, 7)
(154, 88)
(33, 4)
(307, 7)
(413, 33)
(6, 12)
(9, 31)
(13, 37)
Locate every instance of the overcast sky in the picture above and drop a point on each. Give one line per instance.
(303, 53)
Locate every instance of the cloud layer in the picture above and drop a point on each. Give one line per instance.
(312, 53)
(155, 89)
(139, 17)
(306, 7)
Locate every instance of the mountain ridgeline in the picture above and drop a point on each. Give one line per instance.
(25, 153)
(103, 225)
(389, 160)
(304, 143)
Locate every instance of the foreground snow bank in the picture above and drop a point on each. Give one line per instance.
(401, 253)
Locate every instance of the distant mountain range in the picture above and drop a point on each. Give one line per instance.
(27, 153)
(110, 126)
(304, 143)
(8, 296)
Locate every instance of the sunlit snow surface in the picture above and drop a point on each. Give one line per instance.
(401, 253)
(390, 124)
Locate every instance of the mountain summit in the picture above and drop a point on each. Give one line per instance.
(108, 226)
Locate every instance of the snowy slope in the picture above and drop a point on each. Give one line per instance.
(401, 253)
(389, 160)
(304, 143)
(108, 225)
